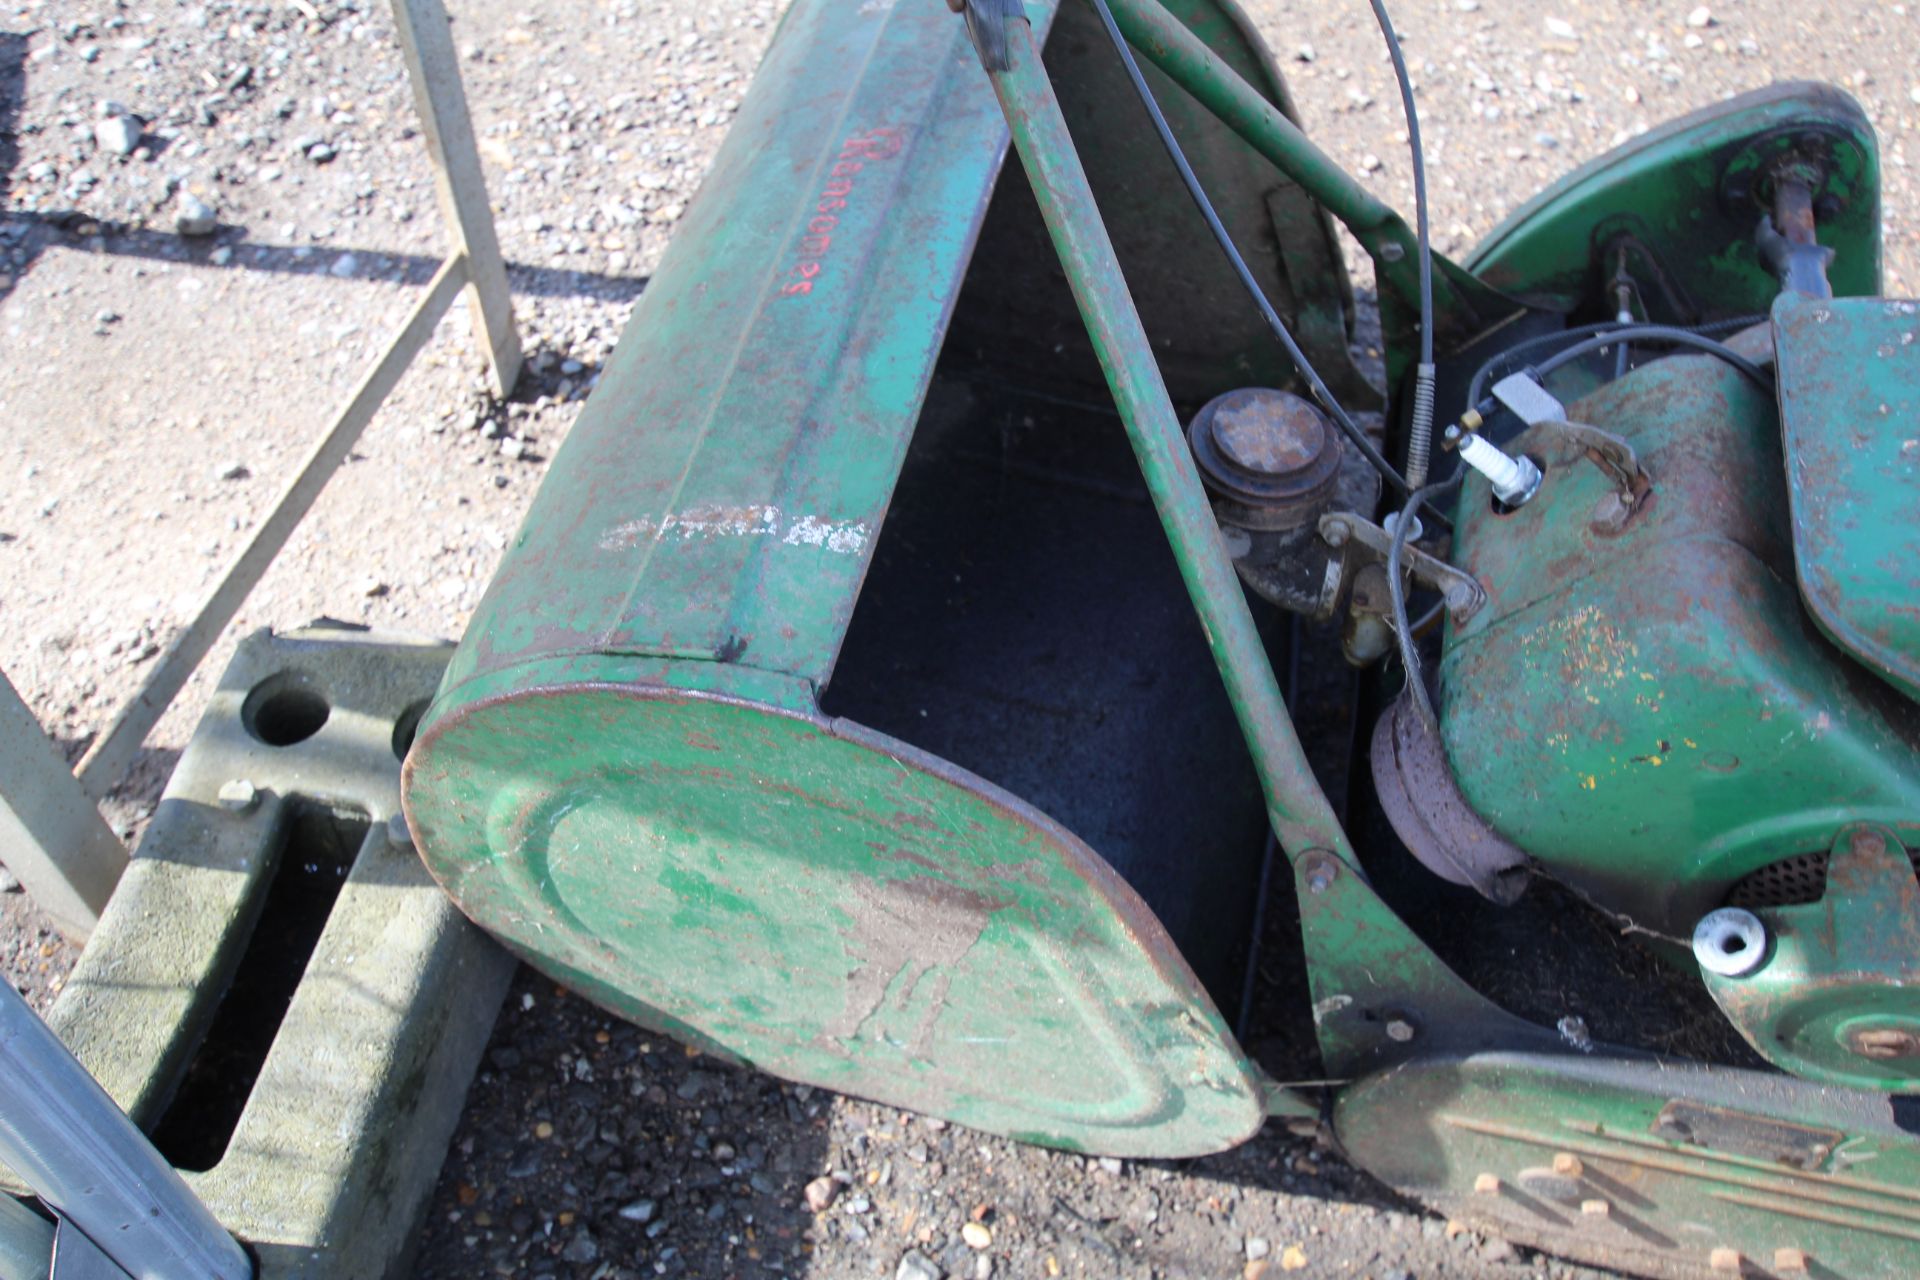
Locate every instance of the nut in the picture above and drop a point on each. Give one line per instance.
(1318, 870)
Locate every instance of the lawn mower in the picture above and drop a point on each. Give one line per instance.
(914, 676)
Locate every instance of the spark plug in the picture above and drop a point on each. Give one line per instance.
(1514, 480)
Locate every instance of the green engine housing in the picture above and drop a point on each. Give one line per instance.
(1666, 714)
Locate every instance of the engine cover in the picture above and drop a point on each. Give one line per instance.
(1647, 708)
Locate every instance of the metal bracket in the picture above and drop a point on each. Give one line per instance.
(987, 24)
(1609, 452)
(1461, 592)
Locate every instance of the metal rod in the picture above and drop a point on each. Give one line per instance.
(1297, 807)
(88, 1163)
(52, 838)
(107, 762)
(440, 101)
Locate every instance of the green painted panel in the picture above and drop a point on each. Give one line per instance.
(720, 493)
(1850, 422)
(1650, 712)
(830, 904)
(1655, 1168)
(1674, 188)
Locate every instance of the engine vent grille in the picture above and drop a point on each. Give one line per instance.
(1790, 882)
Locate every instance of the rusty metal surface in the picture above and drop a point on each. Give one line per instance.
(1695, 188)
(719, 495)
(1837, 996)
(1416, 789)
(828, 903)
(1644, 706)
(1271, 458)
(1850, 420)
(1583, 1157)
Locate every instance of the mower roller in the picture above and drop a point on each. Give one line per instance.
(882, 690)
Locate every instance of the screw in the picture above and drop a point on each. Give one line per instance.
(1336, 533)
(399, 835)
(1319, 869)
(1399, 1030)
(1393, 251)
(237, 795)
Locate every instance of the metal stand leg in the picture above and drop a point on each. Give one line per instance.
(441, 103)
(51, 837)
(61, 1132)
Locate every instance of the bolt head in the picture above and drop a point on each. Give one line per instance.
(1400, 1031)
(237, 795)
(1318, 869)
(1336, 533)
(1393, 251)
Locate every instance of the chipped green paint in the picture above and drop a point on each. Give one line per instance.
(1648, 1167)
(1650, 712)
(1834, 999)
(829, 904)
(1691, 191)
(1850, 420)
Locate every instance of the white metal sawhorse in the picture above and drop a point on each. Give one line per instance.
(52, 837)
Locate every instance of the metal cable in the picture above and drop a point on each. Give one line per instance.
(1420, 428)
(1397, 595)
(1611, 328)
(1347, 426)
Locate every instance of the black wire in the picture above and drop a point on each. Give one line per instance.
(1419, 179)
(1319, 388)
(1477, 387)
(1658, 334)
(1397, 594)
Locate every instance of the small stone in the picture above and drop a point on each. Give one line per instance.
(1111, 1164)
(194, 216)
(1257, 1248)
(8, 883)
(235, 470)
(119, 134)
(1293, 1258)
(321, 152)
(543, 1130)
(1561, 28)
(977, 1235)
(1498, 1250)
(1700, 17)
(344, 267)
(1254, 1270)
(582, 1248)
(821, 1193)
(638, 1211)
(1370, 162)
(1304, 53)
(914, 1266)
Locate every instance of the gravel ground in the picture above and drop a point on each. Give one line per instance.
(158, 386)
